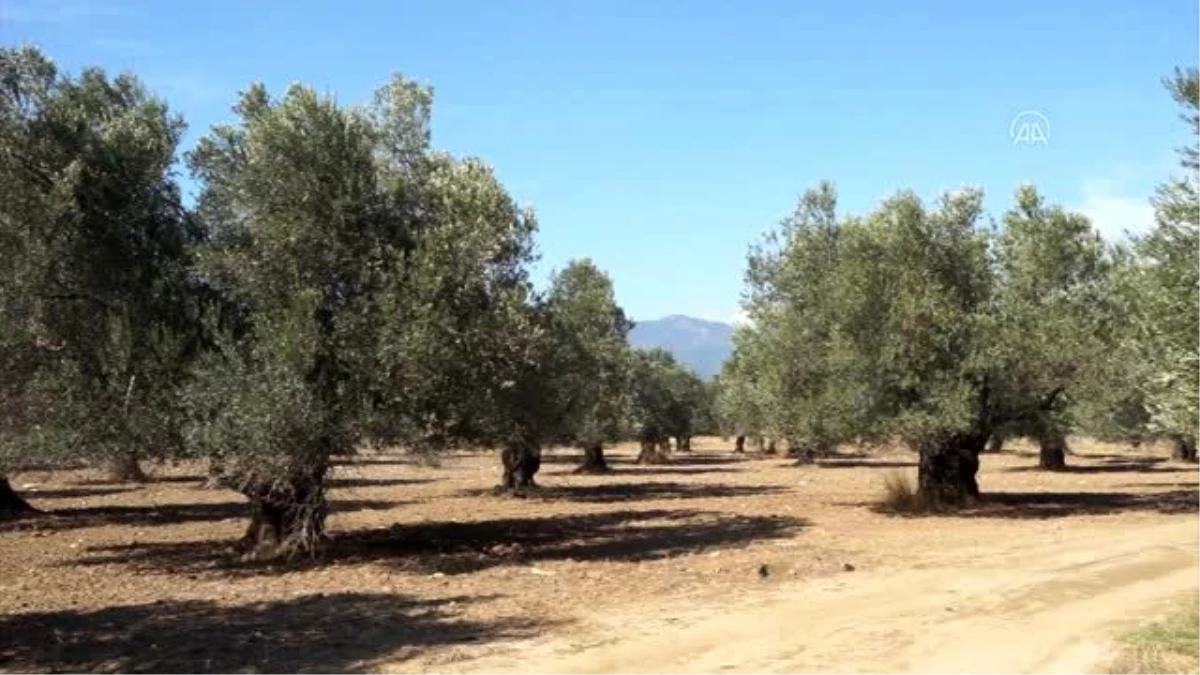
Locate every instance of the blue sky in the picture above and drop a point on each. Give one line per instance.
(663, 138)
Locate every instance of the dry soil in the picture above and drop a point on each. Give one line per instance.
(717, 562)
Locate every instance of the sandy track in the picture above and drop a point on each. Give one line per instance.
(1047, 604)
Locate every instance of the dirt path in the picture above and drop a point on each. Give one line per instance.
(1049, 603)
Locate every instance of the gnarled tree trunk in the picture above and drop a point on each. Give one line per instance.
(522, 457)
(808, 452)
(769, 447)
(593, 460)
(124, 468)
(739, 444)
(1183, 448)
(286, 517)
(656, 449)
(946, 473)
(1052, 450)
(683, 443)
(11, 504)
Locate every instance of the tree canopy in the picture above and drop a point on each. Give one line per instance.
(918, 322)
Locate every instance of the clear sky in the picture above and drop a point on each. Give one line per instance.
(662, 138)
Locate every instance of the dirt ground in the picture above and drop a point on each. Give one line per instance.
(715, 563)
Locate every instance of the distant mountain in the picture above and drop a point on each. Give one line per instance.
(701, 345)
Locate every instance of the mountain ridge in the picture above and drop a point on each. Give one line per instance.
(699, 344)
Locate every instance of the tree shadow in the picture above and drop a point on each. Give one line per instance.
(679, 458)
(1149, 465)
(862, 464)
(364, 482)
(342, 632)
(624, 492)
(1042, 505)
(677, 469)
(576, 459)
(160, 514)
(185, 478)
(707, 458)
(465, 547)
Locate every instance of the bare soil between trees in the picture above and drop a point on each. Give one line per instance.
(716, 562)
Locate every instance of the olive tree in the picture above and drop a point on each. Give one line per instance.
(740, 403)
(464, 347)
(590, 359)
(667, 400)
(1056, 302)
(308, 211)
(911, 323)
(792, 293)
(99, 321)
(1168, 290)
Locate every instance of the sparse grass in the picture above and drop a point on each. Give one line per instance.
(1168, 645)
(899, 494)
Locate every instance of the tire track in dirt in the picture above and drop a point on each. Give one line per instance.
(1048, 605)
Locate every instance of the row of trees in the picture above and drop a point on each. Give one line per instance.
(928, 324)
(338, 280)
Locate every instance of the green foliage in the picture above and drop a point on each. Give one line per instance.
(918, 322)
(99, 314)
(387, 287)
(668, 399)
(1166, 287)
(591, 359)
(743, 397)
(463, 345)
(302, 233)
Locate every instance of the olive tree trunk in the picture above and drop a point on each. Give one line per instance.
(655, 450)
(1183, 449)
(807, 452)
(739, 444)
(124, 468)
(1052, 451)
(593, 460)
(683, 443)
(287, 517)
(522, 458)
(11, 504)
(946, 473)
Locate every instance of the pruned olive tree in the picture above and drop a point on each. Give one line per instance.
(1110, 402)
(792, 292)
(904, 324)
(389, 298)
(590, 360)
(652, 396)
(1058, 316)
(741, 398)
(98, 310)
(668, 400)
(1167, 290)
(463, 358)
